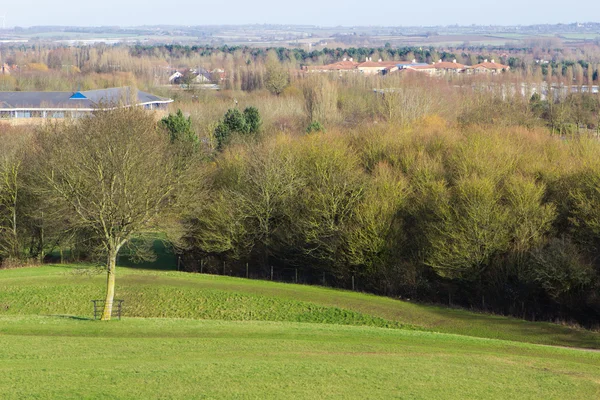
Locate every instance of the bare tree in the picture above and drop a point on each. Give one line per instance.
(320, 99)
(405, 105)
(12, 146)
(277, 78)
(111, 175)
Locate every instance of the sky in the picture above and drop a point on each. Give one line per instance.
(311, 12)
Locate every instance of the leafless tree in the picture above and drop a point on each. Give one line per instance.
(111, 175)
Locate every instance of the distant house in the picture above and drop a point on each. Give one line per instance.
(202, 76)
(370, 67)
(202, 79)
(435, 69)
(194, 76)
(341, 66)
(411, 65)
(428, 69)
(367, 68)
(219, 73)
(175, 77)
(26, 105)
(488, 67)
(447, 67)
(375, 67)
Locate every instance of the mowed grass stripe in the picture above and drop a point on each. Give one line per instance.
(67, 358)
(62, 290)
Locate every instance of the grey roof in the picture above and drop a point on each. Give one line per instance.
(84, 99)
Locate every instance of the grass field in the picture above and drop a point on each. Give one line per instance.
(43, 357)
(65, 290)
(203, 336)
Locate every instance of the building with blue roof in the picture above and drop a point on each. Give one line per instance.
(25, 105)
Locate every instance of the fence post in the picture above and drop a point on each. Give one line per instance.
(224, 268)
(201, 265)
(352, 282)
(296, 275)
(271, 272)
(247, 275)
(323, 278)
(178, 262)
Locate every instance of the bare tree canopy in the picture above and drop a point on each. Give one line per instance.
(112, 174)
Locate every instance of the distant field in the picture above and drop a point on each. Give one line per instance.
(588, 36)
(276, 38)
(514, 36)
(75, 35)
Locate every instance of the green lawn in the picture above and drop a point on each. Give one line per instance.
(53, 357)
(211, 337)
(56, 290)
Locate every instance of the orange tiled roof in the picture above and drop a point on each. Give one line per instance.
(372, 64)
(448, 65)
(335, 66)
(490, 65)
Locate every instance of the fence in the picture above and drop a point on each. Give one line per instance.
(273, 273)
(100, 304)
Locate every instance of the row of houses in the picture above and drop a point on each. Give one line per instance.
(370, 67)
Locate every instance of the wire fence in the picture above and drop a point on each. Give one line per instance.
(296, 275)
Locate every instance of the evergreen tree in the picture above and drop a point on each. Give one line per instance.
(253, 119)
(234, 121)
(179, 128)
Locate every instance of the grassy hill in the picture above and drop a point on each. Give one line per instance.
(203, 336)
(68, 290)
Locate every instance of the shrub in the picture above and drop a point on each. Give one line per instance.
(253, 119)
(315, 126)
(179, 128)
(234, 121)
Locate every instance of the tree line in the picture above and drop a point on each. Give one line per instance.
(497, 218)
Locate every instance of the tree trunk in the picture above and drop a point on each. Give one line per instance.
(41, 252)
(110, 284)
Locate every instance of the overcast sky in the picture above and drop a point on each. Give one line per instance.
(314, 12)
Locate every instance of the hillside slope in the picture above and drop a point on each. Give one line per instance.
(68, 290)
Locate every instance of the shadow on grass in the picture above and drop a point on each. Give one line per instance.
(510, 328)
(73, 317)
